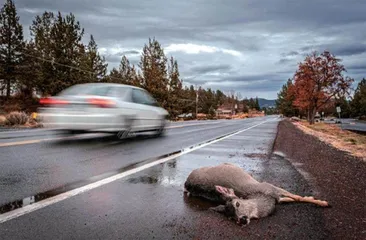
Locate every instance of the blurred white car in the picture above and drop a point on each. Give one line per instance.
(103, 107)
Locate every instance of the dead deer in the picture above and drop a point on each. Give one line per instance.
(241, 196)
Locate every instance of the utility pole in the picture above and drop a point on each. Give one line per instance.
(196, 102)
(196, 96)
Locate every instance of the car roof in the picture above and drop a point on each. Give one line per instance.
(109, 84)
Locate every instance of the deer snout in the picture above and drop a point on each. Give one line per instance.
(243, 220)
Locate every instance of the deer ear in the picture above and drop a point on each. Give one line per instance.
(227, 192)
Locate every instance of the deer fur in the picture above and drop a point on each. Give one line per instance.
(241, 196)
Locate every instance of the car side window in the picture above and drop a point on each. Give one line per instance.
(120, 92)
(100, 91)
(140, 97)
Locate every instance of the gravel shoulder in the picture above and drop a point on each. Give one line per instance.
(338, 178)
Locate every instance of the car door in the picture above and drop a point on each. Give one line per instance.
(147, 116)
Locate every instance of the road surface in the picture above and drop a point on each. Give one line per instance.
(351, 124)
(97, 188)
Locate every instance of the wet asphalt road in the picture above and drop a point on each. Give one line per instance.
(150, 204)
(27, 169)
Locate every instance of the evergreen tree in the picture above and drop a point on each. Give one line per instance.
(30, 70)
(175, 89)
(93, 62)
(219, 98)
(284, 101)
(11, 45)
(257, 106)
(58, 43)
(153, 65)
(252, 103)
(358, 103)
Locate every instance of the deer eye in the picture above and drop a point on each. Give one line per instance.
(237, 204)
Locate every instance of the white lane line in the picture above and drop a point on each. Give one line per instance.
(44, 203)
(9, 144)
(188, 125)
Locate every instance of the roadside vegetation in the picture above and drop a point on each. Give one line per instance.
(56, 58)
(348, 141)
(18, 120)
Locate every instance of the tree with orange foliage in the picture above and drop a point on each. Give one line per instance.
(318, 80)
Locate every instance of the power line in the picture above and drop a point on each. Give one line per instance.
(65, 65)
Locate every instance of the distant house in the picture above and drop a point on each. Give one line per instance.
(227, 110)
(230, 109)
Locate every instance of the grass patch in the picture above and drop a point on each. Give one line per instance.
(2, 120)
(332, 134)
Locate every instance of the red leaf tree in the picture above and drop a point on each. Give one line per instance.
(317, 81)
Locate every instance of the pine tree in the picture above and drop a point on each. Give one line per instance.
(252, 103)
(175, 89)
(358, 103)
(58, 43)
(30, 70)
(125, 74)
(93, 62)
(284, 101)
(11, 45)
(125, 71)
(153, 65)
(219, 98)
(257, 106)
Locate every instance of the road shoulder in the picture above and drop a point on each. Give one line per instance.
(339, 178)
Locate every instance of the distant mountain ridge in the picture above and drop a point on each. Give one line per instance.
(266, 102)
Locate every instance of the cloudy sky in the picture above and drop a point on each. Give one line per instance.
(249, 46)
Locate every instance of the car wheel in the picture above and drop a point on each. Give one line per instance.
(123, 134)
(161, 130)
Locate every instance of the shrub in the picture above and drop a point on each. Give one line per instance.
(16, 118)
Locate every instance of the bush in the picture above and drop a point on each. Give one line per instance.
(16, 118)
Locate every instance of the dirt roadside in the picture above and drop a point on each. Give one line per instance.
(338, 177)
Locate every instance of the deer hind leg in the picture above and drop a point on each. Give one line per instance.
(306, 199)
(297, 198)
(286, 199)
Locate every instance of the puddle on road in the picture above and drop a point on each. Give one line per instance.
(197, 203)
(68, 187)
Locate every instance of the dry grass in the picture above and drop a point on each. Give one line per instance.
(347, 141)
(16, 118)
(2, 120)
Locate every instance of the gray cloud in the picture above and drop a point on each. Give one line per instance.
(290, 54)
(340, 48)
(284, 60)
(252, 46)
(357, 66)
(130, 52)
(212, 68)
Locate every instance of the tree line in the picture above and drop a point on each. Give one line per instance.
(319, 86)
(56, 58)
